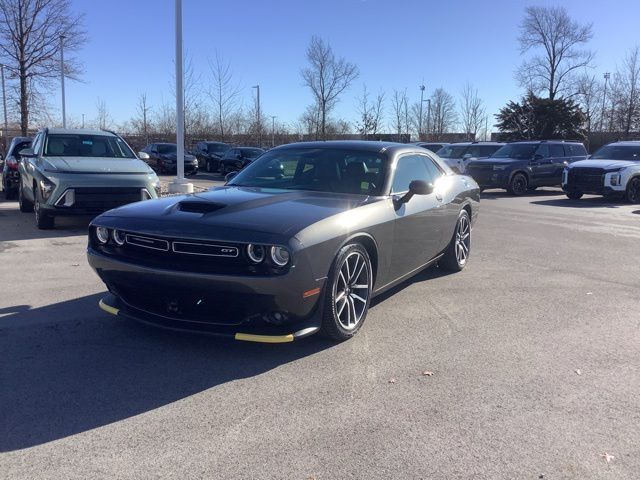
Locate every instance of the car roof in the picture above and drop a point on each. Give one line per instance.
(462, 144)
(79, 131)
(362, 145)
(625, 143)
(164, 143)
(214, 142)
(533, 142)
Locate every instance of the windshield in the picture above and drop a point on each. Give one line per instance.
(452, 151)
(218, 148)
(85, 145)
(618, 152)
(318, 169)
(170, 148)
(519, 151)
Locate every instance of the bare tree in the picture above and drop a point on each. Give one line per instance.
(399, 103)
(223, 93)
(31, 33)
(103, 118)
(589, 97)
(626, 93)
(472, 112)
(443, 112)
(141, 121)
(327, 77)
(551, 30)
(371, 113)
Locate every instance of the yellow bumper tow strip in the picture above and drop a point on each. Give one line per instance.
(247, 337)
(108, 308)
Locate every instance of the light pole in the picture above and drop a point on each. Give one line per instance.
(273, 131)
(422, 87)
(179, 184)
(83, 120)
(258, 119)
(64, 111)
(607, 75)
(4, 105)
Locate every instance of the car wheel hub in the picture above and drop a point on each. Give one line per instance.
(463, 240)
(352, 290)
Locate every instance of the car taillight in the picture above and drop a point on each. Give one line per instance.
(12, 163)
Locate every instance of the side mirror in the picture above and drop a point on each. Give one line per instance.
(537, 157)
(467, 156)
(27, 152)
(229, 176)
(416, 187)
(143, 156)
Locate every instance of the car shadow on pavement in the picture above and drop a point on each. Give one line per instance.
(596, 202)
(69, 367)
(15, 226)
(429, 273)
(495, 194)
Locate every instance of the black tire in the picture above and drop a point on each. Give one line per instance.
(208, 166)
(336, 323)
(44, 221)
(632, 194)
(574, 195)
(518, 184)
(456, 256)
(25, 205)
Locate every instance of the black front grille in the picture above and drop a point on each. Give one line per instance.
(105, 198)
(480, 166)
(588, 179)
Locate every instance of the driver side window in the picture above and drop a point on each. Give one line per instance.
(413, 167)
(37, 143)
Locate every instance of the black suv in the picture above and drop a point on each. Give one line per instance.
(209, 155)
(237, 158)
(522, 166)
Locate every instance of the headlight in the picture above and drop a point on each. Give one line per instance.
(118, 237)
(46, 187)
(255, 253)
(616, 179)
(102, 234)
(499, 167)
(280, 255)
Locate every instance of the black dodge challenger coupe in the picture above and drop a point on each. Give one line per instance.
(298, 242)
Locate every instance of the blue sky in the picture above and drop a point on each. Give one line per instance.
(396, 44)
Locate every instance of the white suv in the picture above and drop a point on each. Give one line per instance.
(612, 171)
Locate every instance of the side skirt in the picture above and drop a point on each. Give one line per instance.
(404, 277)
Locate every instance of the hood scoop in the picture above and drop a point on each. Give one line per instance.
(200, 207)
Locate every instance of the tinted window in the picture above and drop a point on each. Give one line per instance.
(543, 150)
(519, 151)
(251, 152)
(84, 145)
(217, 148)
(168, 148)
(618, 152)
(575, 150)
(413, 167)
(318, 169)
(556, 150)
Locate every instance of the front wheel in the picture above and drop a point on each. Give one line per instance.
(632, 193)
(347, 293)
(44, 221)
(574, 195)
(456, 255)
(518, 184)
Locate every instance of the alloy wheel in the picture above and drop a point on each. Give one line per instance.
(519, 185)
(463, 240)
(352, 290)
(633, 191)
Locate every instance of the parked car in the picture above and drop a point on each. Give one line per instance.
(237, 158)
(519, 167)
(458, 155)
(431, 146)
(612, 171)
(209, 155)
(80, 172)
(163, 157)
(10, 173)
(297, 242)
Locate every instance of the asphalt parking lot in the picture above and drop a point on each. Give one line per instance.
(533, 349)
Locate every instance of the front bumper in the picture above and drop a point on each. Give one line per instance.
(486, 178)
(113, 305)
(217, 304)
(605, 191)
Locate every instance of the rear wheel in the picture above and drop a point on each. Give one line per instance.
(25, 205)
(518, 184)
(347, 293)
(456, 255)
(44, 221)
(574, 195)
(633, 190)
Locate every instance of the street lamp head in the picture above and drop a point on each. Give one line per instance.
(422, 87)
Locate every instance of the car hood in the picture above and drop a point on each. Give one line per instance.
(279, 212)
(604, 163)
(96, 165)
